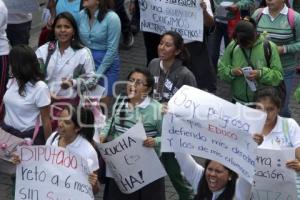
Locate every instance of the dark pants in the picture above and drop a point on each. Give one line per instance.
(201, 67)
(18, 33)
(125, 22)
(153, 191)
(135, 19)
(172, 167)
(214, 42)
(3, 79)
(151, 41)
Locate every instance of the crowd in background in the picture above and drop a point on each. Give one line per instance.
(79, 50)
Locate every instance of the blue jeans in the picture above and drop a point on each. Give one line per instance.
(288, 76)
(112, 73)
(214, 42)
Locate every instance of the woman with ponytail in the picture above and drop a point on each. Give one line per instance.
(170, 73)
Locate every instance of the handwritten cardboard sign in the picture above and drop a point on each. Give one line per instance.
(205, 125)
(23, 6)
(182, 16)
(273, 180)
(48, 172)
(132, 165)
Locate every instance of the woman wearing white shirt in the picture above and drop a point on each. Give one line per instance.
(279, 132)
(27, 98)
(64, 59)
(77, 138)
(214, 181)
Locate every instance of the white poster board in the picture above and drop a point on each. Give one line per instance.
(205, 125)
(273, 180)
(132, 165)
(21, 6)
(48, 172)
(182, 16)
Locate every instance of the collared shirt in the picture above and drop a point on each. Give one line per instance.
(286, 133)
(68, 65)
(21, 112)
(143, 104)
(148, 112)
(284, 11)
(104, 35)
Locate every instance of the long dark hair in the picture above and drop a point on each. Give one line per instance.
(76, 42)
(24, 66)
(204, 192)
(184, 54)
(104, 7)
(83, 118)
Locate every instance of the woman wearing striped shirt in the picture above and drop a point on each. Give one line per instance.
(136, 106)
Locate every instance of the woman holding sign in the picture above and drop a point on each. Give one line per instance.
(75, 133)
(279, 132)
(136, 106)
(214, 181)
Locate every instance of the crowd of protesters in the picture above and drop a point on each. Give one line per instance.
(81, 51)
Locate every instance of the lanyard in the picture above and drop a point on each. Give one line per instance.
(248, 58)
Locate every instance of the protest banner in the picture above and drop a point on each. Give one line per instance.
(182, 16)
(273, 180)
(205, 125)
(49, 173)
(129, 163)
(23, 6)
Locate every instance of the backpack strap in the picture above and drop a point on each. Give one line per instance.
(231, 52)
(267, 51)
(285, 130)
(112, 123)
(291, 20)
(51, 49)
(259, 14)
(54, 137)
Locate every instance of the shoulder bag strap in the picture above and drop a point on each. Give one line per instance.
(119, 100)
(248, 57)
(285, 129)
(51, 49)
(36, 129)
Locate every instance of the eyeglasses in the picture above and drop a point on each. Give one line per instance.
(137, 82)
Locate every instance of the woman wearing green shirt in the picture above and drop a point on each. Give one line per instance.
(136, 106)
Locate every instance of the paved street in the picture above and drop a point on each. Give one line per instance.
(135, 57)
